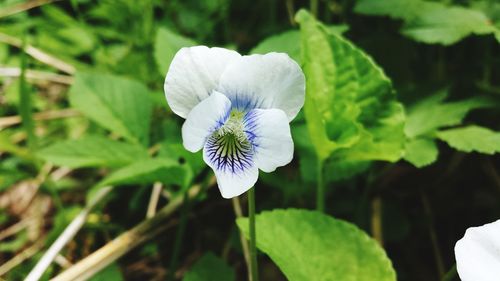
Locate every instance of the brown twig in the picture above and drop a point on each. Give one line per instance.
(37, 75)
(38, 54)
(121, 245)
(40, 116)
(24, 255)
(15, 228)
(17, 8)
(153, 200)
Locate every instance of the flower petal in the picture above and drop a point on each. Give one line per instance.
(478, 253)
(232, 163)
(266, 81)
(269, 132)
(193, 75)
(204, 119)
(232, 185)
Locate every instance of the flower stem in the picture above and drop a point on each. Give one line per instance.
(179, 237)
(314, 7)
(451, 274)
(320, 193)
(253, 249)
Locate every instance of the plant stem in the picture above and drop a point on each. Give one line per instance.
(451, 274)
(178, 237)
(320, 193)
(243, 240)
(253, 249)
(314, 7)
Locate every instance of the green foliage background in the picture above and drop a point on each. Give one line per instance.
(400, 129)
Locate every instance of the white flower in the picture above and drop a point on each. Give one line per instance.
(478, 253)
(237, 109)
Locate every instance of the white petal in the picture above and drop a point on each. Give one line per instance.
(269, 132)
(232, 185)
(478, 253)
(233, 166)
(193, 75)
(204, 119)
(266, 81)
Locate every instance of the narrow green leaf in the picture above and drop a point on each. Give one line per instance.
(421, 152)
(308, 245)
(167, 43)
(25, 100)
(472, 138)
(118, 104)
(92, 151)
(210, 268)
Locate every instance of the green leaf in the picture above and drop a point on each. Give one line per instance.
(472, 138)
(447, 25)
(286, 42)
(308, 245)
(421, 152)
(335, 169)
(92, 151)
(118, 104)
(14, 245)
(167, 43)
(350, 105)
(398, 9)
(289, 42)
(433, 113)
(150, 171)
(430, 22)
(209, 268)
(110, 273)
(176, 152)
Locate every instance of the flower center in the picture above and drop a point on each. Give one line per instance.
(228, 147)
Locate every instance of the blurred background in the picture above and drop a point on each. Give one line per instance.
(65, 134)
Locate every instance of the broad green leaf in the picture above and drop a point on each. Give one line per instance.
(433, 113)
(289, 42)
(92, 151)
(421, 152)
(176, 152)
(286, 42)
(210, 268)
(167, 43)
(431, 22)
(447, 25)
(308, 245)
(335, 169)
(472, 138)
(150, 171)
(350, 105)
(118, 104)
(110, 273)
